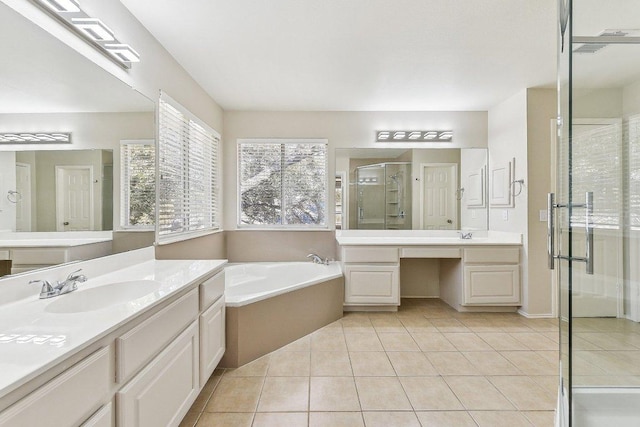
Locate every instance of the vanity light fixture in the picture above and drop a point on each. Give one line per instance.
(40, 137)
(414, 135)
(94, 29)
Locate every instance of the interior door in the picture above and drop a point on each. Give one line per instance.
(74, 198)
(439, 203)
(23, 203)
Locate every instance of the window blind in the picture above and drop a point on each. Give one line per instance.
(282, 183)
(187, 170)
(137, 178)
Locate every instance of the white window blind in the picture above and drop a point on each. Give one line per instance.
(187, 171)
(282, 183)
(137, 183)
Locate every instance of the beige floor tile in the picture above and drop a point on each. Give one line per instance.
(500, 419)
(535, 341)
(548, 382)
(415, 322)
(540, 418)
(398, 341)
(215, 419)
(411, 363)
(386, 419)
(530, 363)
(432, 341)
(290, 364)
(302, 344)
(335, 419)
(279, 419)
(449, 325)
(371, 364)
(491, 363)
(330, 364)
(467, 342)
(477, 393)
(430, 393)
(553, 336)
(363, 341)
(386, 323)
(281, 394)
(446, 419)
(333, 394)
(542, 325)
(235, 394)
(352, 321)
(502, 341)
(335, 326)
(257, 368)
(451, 363)
(524, 393)
(328, 341)
(608, 340)
(381, 394)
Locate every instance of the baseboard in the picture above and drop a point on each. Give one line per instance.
(536, 316)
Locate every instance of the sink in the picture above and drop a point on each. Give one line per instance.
(102, 296)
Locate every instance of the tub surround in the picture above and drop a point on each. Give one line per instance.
(477, 274)
(50, 338)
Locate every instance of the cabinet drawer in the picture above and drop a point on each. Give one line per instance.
(102, 418)
(433, 252)
(211, 289)
(492, 284)
(162, 393)
(139, 345)
(68, 399)
(372, 284)
(492, 255)
(212, 336)
(5, 255)
(370, 254)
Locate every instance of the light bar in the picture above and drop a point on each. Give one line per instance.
(414, 135)
(62, 6)
(123, 52)
(94, 29)
(37, 138)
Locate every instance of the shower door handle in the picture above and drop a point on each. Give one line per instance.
(550, 231)
(588, 225)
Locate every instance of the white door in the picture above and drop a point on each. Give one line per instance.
(74, 198)
(438, 197)
(23, 204)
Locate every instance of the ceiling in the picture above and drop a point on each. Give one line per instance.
(358, 55)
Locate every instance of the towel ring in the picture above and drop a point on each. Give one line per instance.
(14, 196)
(521, 186)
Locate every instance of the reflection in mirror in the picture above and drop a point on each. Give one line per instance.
(62, 199)
(411, 189)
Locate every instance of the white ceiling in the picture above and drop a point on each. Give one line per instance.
(349, 55)
(40, 74)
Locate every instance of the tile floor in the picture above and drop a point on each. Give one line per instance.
(426, 365)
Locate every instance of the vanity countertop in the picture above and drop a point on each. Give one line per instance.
(33, 339)
(9, 239)
(425, 238)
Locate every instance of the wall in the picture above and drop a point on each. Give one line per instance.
(7, 183)
(472, 218)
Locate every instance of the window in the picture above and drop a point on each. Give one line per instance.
(188, 174)
(138, 183)
(282, 183)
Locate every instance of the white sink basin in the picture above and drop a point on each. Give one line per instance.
(102, 296)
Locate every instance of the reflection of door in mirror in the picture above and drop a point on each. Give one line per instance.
(438, 196)
(74, 198)
(23, 200)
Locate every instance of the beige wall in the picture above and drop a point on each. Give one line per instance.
(211, 246)
(249, 245)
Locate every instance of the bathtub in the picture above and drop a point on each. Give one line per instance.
(269, 305)
(253, 282)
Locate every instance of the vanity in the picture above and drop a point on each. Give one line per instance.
(133, 346)
(481, 273)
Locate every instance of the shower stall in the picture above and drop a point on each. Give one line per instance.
(383, 192)
(594, 214)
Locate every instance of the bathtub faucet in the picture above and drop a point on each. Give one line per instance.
(317, 259)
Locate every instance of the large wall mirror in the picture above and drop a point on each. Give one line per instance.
(47, 87)
(411, 189)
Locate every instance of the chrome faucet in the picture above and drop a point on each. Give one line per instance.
(316, 259)
(466, 236)
(70, 284)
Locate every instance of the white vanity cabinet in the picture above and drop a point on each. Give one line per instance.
(371, 275)
(491, 276)
(212, 325)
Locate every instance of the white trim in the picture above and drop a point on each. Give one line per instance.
(424, 166)
(523, 313)
(175, 104)
(60, 208)
(282, 141)
(138, 142)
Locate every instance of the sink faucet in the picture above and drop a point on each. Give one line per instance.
(316, 259)
(466, 236)
(70, 284)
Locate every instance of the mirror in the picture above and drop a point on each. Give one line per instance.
(411, 189)
(47, 87)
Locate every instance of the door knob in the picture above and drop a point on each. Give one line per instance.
(65, 223)
(449, 221)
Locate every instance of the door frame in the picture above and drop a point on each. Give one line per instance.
(59, 198)
(424, 166)
(22, 195)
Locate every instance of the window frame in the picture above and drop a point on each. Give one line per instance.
(124, 200)
(292, 227)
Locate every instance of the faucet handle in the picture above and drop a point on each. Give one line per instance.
(46, 286)
(78, 277)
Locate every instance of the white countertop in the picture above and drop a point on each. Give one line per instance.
(425, 238)
(71, 332)
(12, 239)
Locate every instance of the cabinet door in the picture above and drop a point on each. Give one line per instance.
(162, 393)
(102, 418)
(212, 336)
(492, 285)
(372, 284)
